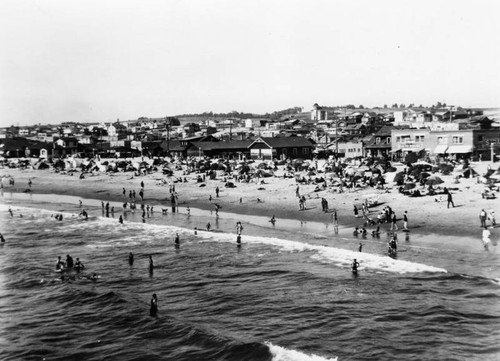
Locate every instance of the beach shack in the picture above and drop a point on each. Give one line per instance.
(281, 148)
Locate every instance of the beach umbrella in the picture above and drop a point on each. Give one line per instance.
(409, 186)
(495, 175)
(434, 180)
(399, 177)
(423, 175)
(349, 171)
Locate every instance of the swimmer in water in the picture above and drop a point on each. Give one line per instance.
(354, 266)
(1, 238)
(151, 265)
(93, 277)
(177, 240)
(131, 258)
(59, 264)
(273, 220)
(120, 219)
(208, 226)
(79, 265)
(153, 310)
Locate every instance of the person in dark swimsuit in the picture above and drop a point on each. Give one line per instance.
(153, 310)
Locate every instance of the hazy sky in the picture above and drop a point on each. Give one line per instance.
(66, 60)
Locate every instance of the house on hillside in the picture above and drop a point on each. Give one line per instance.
(318, 113)
(281, 148)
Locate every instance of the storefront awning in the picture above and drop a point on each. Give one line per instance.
(441, 149)
(455, 149)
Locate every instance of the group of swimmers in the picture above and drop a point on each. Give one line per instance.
(69, 264)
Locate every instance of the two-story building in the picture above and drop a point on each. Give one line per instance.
(380, 144)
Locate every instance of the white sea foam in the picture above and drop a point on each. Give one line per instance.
(282, 354)
(337, 256)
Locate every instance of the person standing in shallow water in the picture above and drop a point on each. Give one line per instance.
(131, 258)
(153, 310)
(151, 265)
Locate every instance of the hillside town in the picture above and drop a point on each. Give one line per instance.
(439, 132)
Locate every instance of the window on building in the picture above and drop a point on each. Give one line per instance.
(294, 151)
(388, 140)
(419, 138)
(377, 140)
(398, 139)
(306, 151)
(458, 140)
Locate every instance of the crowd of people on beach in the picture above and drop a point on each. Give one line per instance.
(340, 178)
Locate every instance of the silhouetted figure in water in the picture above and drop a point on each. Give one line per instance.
(177, 240)
(1, 238)
(153, 310)
(131, 258)
(151, 265)
(354, 266)
(238, 241)
(120, 219)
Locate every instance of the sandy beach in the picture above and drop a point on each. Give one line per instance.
(275, 197)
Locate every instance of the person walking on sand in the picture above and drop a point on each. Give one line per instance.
(486, 237)
(394, 225)
(450, 200)
(482, 218)
(335, 221)
(405, 221)
(491, 217)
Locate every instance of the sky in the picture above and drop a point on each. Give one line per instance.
(102, 60)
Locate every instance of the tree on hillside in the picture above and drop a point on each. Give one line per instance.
(385, 106)
(395, 105)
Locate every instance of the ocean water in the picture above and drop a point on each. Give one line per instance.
(286, 294)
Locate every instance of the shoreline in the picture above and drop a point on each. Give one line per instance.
(277, 197)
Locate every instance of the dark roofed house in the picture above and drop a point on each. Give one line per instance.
(379, 144)
(281, 148)
(21, 147)
(235, 149)
(179, 147)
